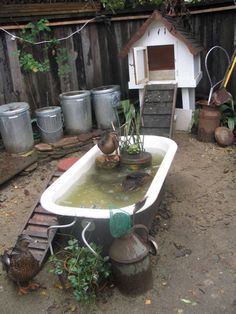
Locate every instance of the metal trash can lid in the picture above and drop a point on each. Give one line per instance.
(74, 94)
(45, 111)
(105, 89)
(13, 108)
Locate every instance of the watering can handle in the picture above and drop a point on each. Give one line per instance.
(150, 240)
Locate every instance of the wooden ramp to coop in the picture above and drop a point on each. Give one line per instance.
(158, 109)
(37, 225)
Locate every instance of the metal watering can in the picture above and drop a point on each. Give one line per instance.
(131, 263)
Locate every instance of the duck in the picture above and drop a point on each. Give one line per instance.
(134, 180)
(20, 264)
(108, 142)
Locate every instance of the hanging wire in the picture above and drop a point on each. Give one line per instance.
(13, 37)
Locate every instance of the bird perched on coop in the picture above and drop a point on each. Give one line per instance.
(20, 264)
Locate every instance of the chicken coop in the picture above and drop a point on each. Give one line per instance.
(163, 52)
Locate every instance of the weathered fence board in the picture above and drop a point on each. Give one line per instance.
(93, 59)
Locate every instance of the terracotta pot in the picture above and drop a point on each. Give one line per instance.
(224, 136)
(209, 120)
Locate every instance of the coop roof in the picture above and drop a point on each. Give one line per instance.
(173, 26)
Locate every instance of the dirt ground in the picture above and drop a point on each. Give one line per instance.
(195, 271)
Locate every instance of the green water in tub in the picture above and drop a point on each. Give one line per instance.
(102, 188)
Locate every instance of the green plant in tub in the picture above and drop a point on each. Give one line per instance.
(132, 143)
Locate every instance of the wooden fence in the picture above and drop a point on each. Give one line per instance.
(93, 59)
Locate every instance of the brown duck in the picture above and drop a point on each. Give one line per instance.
(108, 142)
(134, 180)
(20, 265)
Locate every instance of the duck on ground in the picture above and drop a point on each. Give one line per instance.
(20, 264)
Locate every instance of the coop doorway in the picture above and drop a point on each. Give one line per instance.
(161, 62)
(154, 63)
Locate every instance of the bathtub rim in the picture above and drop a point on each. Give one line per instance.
(47, 199)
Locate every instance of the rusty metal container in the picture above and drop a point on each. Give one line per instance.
(131, 263)
(209, 120)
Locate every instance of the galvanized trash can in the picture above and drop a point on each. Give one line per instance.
(49, 122)
(76, 107)
(105, 101)
(16, 128)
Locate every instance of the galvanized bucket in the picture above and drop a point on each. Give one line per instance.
(15, 127)
(105, 101)
(76, 107)
(49, 122)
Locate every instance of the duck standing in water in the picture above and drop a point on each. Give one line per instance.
(134, 180)
(21, 266)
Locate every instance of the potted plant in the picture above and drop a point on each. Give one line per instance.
(228, 115)
(225, 133)
(84, 271)
(131, 144)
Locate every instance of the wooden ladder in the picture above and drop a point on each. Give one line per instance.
(158, 109)
(37, 226)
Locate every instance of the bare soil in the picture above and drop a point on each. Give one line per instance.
(195, 271)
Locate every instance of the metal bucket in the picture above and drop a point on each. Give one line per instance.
(105, 101)
(131, 265)
(49, 122)
(76, 107)
(15, 127)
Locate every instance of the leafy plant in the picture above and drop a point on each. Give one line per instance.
(171, 5)
(228, 115)
(33, 33)
(132, 141)
(83, 269)
(28, 63)
(62, 61)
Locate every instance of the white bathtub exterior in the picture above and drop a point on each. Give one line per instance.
(67, 179)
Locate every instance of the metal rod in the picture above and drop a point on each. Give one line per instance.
(207, 70)
(56, 227)
(85, 241)
(121, 18)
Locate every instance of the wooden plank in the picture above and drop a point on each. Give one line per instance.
(157, 108)
(11, 165)
(42, 235)
(42, 217)
(40, 210)
(47, 9)
(156, 131)
(156, 87)
(6, 89)
(159, 95)
(92, 61)
(14, 67)
(157, 121)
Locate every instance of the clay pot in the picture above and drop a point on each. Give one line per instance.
(224, 136)
(209, 120)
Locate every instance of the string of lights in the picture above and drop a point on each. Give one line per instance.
(14, 37)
